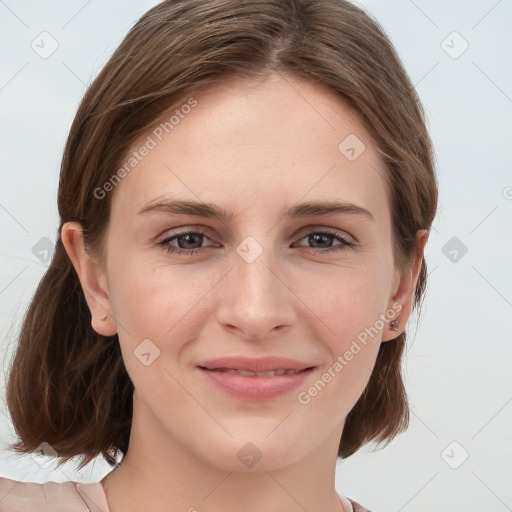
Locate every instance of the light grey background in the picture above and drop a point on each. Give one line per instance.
(458, 364)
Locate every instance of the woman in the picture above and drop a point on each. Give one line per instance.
(232, 372)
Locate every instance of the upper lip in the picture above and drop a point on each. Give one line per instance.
(250, 364)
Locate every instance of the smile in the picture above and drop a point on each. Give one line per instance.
(253, 386)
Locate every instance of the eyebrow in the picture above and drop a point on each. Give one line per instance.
(208, 210)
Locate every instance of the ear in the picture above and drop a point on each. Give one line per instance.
(400, 304)
(92, 278)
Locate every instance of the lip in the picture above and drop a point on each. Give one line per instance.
(255, 388)
(251, 364)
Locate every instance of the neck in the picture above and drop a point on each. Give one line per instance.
(160, 474)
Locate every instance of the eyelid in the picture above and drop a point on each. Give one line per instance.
(208, 232)
(314, 228)
(184, 231)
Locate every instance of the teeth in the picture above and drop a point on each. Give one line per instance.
(257, 374)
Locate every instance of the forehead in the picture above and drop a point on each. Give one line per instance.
(276, 141)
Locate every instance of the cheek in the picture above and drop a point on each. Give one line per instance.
(152, 296)
(338, 387)
(154, 306)
(349, 307)
(346, 300)
(159, 302)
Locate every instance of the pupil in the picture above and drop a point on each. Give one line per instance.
(187, 238)
(318, 237)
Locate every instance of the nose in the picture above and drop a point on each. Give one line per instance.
(255, 299)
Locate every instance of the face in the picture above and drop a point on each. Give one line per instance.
(270, 277)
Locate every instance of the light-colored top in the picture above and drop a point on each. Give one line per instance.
(68, 496)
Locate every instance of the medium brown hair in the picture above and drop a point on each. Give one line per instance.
(67, 384)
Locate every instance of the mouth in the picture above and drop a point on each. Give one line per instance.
(245, 373)
(255, 379)
(253, 365)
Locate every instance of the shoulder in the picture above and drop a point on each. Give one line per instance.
(357, 507)
(16, 496)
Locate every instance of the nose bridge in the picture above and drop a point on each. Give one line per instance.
(254, 297)
(253, 274)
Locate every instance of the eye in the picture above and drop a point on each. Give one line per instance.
(187, 239)
(323, 237)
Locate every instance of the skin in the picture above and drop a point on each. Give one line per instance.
(253, 148)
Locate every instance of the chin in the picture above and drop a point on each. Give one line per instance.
(255, 454)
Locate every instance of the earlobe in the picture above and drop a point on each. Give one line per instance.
(402, 300)
(92, 279)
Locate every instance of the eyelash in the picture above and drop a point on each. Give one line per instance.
(346, 244)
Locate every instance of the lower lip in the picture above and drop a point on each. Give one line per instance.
(255, 388)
